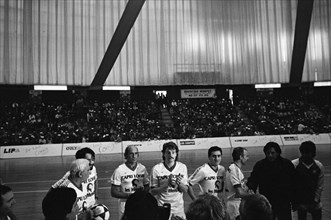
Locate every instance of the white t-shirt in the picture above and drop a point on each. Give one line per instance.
(234, 176)
(209, 180)
(160, 174)
(124, 177)
(89, 185)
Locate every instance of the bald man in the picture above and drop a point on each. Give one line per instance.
(128, 178)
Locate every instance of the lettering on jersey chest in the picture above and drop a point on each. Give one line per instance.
(213, 178)
(165, 177)
(132, 176)
(92, 179)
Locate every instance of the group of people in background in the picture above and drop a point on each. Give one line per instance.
(274, 189)
(95, 121)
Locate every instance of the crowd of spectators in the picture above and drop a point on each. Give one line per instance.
(94, 121)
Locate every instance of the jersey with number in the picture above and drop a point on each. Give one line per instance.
(160, 174)
(234, 176)
(89, 185)
(209, 180)
(126, 178)
(81, 193)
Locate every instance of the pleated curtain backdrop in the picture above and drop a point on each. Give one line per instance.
(173, 42)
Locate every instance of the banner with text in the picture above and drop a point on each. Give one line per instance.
(22, 151)
(254, 141)
(147, 146)
(203, 143)
(297, 139)
(97, 147)
(197, 93)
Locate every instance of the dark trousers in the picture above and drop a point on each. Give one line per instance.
(281, 211)
(315, 213)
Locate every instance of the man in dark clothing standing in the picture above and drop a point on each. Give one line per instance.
(310, 176)
(273, 176)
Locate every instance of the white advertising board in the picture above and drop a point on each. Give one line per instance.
(147, 146)
(22, 151)
(254, 141)
(316, 138)
(203, 143)
(290, 139)
(97, 147)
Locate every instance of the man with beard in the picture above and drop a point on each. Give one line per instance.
(273, 176)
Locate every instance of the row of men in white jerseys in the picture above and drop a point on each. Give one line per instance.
(167, 182)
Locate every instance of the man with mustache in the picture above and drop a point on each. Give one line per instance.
(169, 180)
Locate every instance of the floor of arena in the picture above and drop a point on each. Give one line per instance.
(31, 178)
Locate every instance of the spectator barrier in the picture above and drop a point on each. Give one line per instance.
(47, 150)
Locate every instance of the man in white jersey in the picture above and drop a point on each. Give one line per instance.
(210, 176)
(91, 183)
(169, 180)
(128, 178)
(235, 183)
(78, 174)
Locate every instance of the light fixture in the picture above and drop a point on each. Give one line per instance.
(50, 87)
(120, 88)
(325, 83)
(267, 86)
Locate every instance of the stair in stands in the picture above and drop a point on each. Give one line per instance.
(166, 117)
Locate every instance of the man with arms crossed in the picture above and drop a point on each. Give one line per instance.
(169, 180)
(235, 183)
(210, 176)
(128, 178)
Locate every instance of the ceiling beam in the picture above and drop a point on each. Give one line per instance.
(302, 26)
(129, 16)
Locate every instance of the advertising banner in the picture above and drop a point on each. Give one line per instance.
(203, 143)
(147, 146)
(22, 151)
(254, 141)
(197, 93)
(316, 138)
(290, 139)
(97, 147)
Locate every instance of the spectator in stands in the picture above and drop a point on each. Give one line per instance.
(255, 207)
(128, 177)
(7, 201)
(210, 176)
(169, 180)
(310, 178)
(235, 183)
(120, 120)
(91, 184)
(274, 176)
(143, 205)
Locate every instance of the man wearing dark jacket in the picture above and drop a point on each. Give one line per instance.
(273, 176)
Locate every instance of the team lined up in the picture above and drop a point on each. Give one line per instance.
(285, 185)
